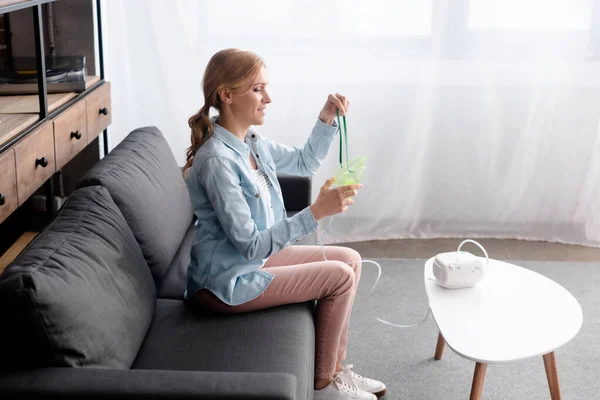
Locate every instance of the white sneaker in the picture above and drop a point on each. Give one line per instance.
(339, 390)
(360, 382)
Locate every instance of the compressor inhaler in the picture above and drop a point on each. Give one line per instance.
(459, 269)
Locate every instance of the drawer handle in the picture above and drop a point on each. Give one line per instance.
(76, 135)
(2, 199)
(103, 110)
(41, 161)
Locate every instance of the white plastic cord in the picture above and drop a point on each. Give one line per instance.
(487, 259)
(319, 242)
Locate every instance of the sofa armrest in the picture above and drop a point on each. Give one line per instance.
(296, 191)
(99, 383)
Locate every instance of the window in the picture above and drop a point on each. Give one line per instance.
(531, 15)
(315, 18)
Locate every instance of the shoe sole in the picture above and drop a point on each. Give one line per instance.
(381, 393)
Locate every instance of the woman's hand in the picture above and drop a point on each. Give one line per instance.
(333, 103)
(333, 201)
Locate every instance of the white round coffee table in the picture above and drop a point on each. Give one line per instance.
(511, 315)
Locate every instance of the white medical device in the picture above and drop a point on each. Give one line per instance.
(459, 269)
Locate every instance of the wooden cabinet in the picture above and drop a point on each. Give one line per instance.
(8, 185)
(47, 149)
(34, 158)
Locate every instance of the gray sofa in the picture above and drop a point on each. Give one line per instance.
(93, 307)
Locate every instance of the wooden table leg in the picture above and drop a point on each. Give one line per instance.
(552, 375)
(439, 350)
(478, 378)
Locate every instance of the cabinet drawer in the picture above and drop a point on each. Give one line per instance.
(98, 110)
(34, 157)
(70, 133)
(8, 184)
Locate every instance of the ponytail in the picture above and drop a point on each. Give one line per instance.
(202, 130)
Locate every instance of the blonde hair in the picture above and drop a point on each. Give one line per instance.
(226, 69)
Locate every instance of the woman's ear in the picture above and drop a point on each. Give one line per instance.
(225, 95)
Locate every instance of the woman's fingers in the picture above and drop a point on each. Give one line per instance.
(354, 186)
(328, 183)
(344, 101)
(337, 103)
(350, 193)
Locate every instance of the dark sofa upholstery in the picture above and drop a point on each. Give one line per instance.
(94, 307)
(145, 182)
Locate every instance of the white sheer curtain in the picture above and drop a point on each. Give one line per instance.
(479, 118)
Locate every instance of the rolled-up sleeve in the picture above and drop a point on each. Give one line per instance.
(304, 161)
(221, 182)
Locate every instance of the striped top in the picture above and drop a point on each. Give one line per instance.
(264, 186)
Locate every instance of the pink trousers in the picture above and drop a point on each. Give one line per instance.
(301, 275)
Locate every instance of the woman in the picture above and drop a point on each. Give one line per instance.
(242, 259)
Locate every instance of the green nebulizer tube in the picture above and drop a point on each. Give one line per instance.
(349, 172)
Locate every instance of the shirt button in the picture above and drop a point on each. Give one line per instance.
(253, 136)
(257, 195)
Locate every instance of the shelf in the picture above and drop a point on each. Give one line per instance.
(16, 249)
(14, 90)
(30, 104)
(7, 6)
(12, 124)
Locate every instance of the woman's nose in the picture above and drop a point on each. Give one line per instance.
(266, 98)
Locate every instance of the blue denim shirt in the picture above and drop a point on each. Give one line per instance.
(232, 239)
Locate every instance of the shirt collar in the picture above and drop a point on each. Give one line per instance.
(230, 139)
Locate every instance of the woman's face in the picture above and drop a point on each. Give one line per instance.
(249, 102)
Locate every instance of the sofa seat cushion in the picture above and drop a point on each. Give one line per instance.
(143, 178)
(185, 337)
(80, 294)
(173, 285)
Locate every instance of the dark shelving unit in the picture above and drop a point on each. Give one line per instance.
(38, 23)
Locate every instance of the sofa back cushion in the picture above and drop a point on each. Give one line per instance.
(146, 183)
(80, 294)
